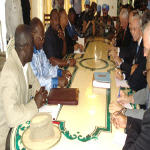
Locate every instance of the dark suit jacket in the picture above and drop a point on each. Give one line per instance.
(70, 42)
(124, 40)
(137, 80)
(138, 133)
(126, 45)
(128, 53)
(53, 45)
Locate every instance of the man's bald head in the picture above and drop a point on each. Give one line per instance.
(54, 19)
(63, 18)
(24, 43)
(38, 33)
(53, 12)
(36, 24)
(23, 37)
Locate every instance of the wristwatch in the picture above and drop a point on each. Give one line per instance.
(124, 111)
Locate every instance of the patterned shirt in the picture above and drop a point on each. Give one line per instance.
(44, 71)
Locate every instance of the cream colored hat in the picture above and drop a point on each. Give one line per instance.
(42, 134)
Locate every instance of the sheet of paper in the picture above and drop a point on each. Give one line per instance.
(78, 52)
(101, 84)
(52, 109)
(80, 41)
(128, 106)
(121, 83)
(119, 138)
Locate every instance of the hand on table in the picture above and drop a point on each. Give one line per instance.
(119, 74)
(119, 120)
(66, 74)
(81, 47)
(114, 106)
(62, 81)
(117, 60)
(71, 62)
(124, 99)
(40, 97)
(112, 53)
(61, 34)
(113, 42)
(78, 46)
(133, 68)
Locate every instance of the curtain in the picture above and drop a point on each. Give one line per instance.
(67, 5)
(48, 6)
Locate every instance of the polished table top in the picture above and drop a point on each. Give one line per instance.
(87, 125)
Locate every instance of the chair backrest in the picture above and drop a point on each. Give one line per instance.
(46, 19)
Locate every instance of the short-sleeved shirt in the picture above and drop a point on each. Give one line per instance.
(53, 45)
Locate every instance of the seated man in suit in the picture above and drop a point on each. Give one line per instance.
(141, 97)
(71, 25)
(48, 76)
(55, 43)
(138, 130)
(123, 41)
(71, 45)
(19, 100)
(134, 72)
(124, 36)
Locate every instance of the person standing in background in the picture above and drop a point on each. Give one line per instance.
(26, 11)
(14, 16)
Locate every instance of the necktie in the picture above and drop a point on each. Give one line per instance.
(124, 34)
(137, 49)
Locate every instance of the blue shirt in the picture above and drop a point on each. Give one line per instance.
(46, 74)
(71, 30)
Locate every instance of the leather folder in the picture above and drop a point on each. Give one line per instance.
(64, 96)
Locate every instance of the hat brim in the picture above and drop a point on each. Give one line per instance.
(42, 145)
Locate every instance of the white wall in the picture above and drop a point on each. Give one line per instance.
(37, 8)
(112, 6)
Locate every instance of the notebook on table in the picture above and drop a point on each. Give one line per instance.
(101, 80)
(64, 96)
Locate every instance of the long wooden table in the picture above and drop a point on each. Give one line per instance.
(87, 126)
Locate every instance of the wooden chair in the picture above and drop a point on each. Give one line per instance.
(46, 19)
